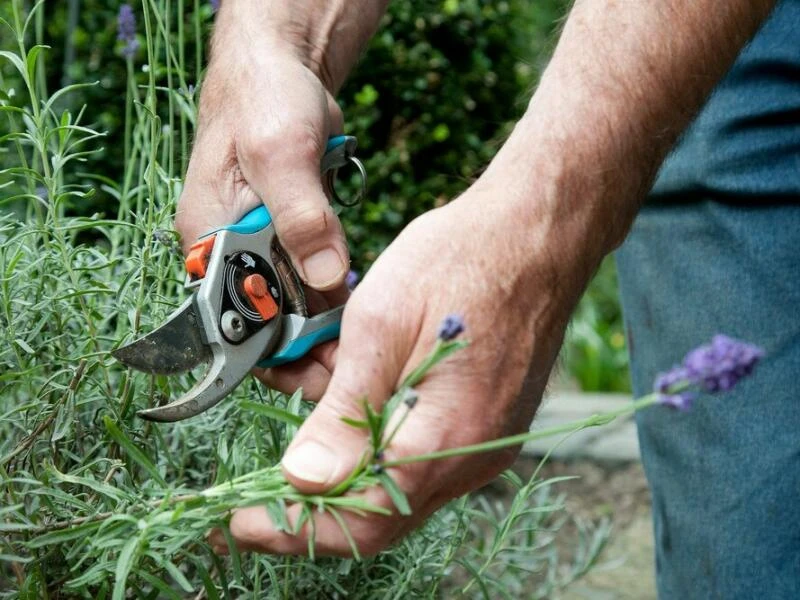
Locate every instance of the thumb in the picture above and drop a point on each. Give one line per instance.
(369, 361)
(284, 169)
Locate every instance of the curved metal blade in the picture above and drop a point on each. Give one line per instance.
(226, 371)
(175, 347)
(207, 392)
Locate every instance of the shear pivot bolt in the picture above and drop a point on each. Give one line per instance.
(233, 325)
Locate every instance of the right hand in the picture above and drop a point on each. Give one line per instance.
(263, 124)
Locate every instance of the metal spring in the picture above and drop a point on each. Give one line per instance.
(292, 286)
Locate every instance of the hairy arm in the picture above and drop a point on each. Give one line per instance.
(625, 80)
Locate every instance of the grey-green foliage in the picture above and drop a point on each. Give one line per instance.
(83, 480)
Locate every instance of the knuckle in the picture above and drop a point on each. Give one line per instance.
(343, 400)
(302, 222)
(370, 315)
(267, 145)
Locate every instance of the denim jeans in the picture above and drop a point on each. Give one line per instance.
(725, 477)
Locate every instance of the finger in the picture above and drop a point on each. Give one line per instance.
(318, 302)
(373, 348)
(253, 530)
(283, 165)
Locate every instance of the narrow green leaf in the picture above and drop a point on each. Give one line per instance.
(346, 532)
(208, 584)
(395, 493)
(233, 550)
(30, 60)
(272, 412)
(179, 577)
(4, 510)
(9, 558)
(277, 514)
(127, 557)
(63, 535)
(135, 454)
(16, 61)
(358, 423)
(24, 345)
(165, 590)
(93, 484)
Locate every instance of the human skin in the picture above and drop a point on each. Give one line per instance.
(512, 254)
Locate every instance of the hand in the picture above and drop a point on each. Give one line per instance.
(460, 258)
(264, 122)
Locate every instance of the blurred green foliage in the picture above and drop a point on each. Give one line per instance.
(595, 353)
(432, 100)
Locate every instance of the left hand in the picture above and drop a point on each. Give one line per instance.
(460, 258)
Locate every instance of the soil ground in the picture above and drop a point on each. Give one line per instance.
(617, 491)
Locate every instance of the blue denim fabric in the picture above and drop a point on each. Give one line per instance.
(725, 477)
(746, 141)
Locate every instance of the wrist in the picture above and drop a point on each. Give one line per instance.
(326, 36)
(555, 199)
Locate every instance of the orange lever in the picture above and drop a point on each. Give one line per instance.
(255, 288)
(197, 259)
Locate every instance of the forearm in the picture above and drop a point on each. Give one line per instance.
(625, 80)
(328, 36)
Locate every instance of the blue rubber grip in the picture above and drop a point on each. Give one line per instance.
(335, 141)
(253, 222)
(299, 347)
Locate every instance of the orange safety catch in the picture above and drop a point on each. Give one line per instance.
(255, 288)
(199, 254)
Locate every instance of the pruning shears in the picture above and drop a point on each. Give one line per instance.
(247, 308)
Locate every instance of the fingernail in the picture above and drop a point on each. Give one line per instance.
(323, 268)
(312, 462)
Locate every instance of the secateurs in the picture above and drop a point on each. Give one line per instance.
(247, 307)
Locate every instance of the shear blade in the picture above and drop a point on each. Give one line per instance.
(175, 347)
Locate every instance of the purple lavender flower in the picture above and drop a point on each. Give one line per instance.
(719, 366)
(672, 389)
(451, 327)
(351, 279)
(715, 367)
(214, 5)
(126, 30)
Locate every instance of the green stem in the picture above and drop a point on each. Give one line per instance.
(516, 440)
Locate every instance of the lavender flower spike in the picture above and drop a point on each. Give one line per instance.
(126, 30)
(668, 385)
(719, 366)
(451, 327)
(715, 367)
